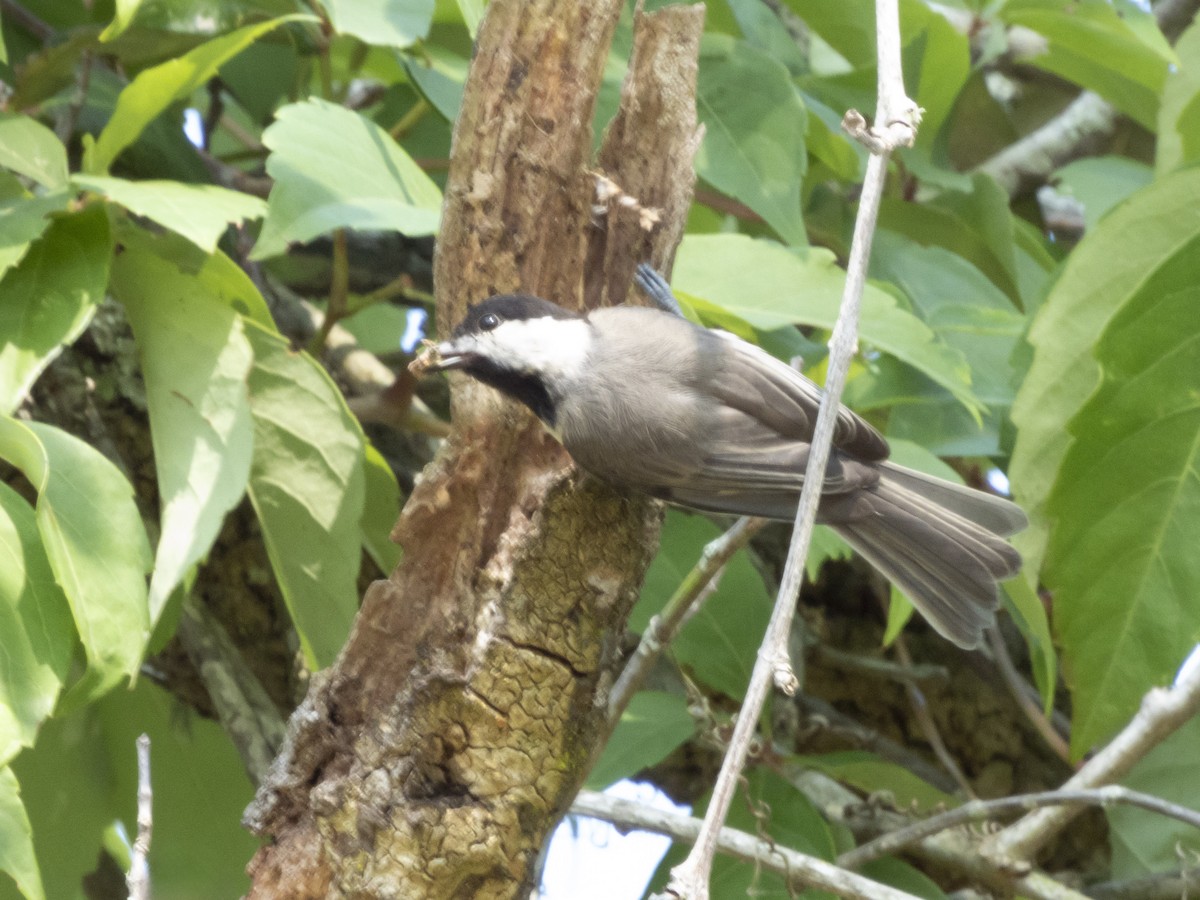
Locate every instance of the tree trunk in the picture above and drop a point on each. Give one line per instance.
(434, 758)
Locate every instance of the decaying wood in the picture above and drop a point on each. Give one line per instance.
(435, 756)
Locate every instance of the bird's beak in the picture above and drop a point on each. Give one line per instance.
(439, 358)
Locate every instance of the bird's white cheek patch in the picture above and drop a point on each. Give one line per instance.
(555, 348)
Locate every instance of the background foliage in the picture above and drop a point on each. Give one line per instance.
(145, 267)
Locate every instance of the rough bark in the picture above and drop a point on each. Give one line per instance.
(435, 756)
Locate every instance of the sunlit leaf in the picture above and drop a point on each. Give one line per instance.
(49, 298)
(199, 212)
(388, 23)
(16, 839)
(316, 192)
(381, 509)
(306, 483)
(22, 220)
(36, 623)
(195, 359)
(31, 149)
(96, 544)
(156, 88)
(126, 11)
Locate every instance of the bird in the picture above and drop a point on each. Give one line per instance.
(646, 400)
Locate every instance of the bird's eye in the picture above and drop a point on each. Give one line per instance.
(489, 322)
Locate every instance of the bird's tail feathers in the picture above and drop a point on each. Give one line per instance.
(941, 545)
(999, 516)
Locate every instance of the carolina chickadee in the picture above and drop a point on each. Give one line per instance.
(645, 399)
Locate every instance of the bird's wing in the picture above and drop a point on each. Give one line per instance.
(783, 401)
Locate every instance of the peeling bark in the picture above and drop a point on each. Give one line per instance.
(433, 759)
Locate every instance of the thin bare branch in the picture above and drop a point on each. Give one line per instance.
(1016, 688)
(696, 586)
(138, 878)
(244, 708)
(980, 810)
(896, 120)
(1163, 710)
(800, 869)
(928, 727)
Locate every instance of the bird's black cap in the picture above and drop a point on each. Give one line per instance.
(509, 308)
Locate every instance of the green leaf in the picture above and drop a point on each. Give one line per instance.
(217, 273)
(1086, 36)
(891, 871)
(49, 298)
(846, 25)
(31, 149)
(826, 142)
(969, 313)
(869, 773)
(156, 88)
(306, 484)
(126, 12)
(472, 14)
(316, 192)
(381, 509)
(1144, 842)
(754, 119)
(96, 544)
(1101, 182)
(936, 60)
(1122, 558)
(440, 76)
(390, 23)
(652, 726)
(199, 212)
(1109, 266)
(1030, 615)
(1189, 128)
(22, 220)
(975, 225)
(899, 611)
(767, 803)
(81, 780)
(16, 839)
(1179, 114)
(770, 286)
(719, 643)
(36, 623)
(195, 360)
(763, 29)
